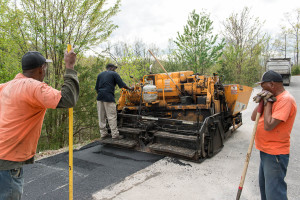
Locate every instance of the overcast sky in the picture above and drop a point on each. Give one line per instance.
(157, 21)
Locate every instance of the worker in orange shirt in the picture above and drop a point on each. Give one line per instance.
(273, 136)
(23, 104)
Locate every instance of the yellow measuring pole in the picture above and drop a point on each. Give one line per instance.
(70, 146)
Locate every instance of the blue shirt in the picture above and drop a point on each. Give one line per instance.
(105, 85)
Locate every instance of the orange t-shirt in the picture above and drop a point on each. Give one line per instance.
(277, 141)
(23, 104)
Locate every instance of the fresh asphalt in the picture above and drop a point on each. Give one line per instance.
(95, 167)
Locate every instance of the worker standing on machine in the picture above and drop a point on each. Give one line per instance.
(273, 135)
(23, 104)
(106, 106)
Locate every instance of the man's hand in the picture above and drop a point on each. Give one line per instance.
(129, 88)
(70, 59)
(265, 96)
(257, 98)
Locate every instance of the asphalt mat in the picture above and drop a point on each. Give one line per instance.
(96, 166)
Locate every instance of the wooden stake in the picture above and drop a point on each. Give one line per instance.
(164, 70)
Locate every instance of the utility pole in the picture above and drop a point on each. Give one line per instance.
(284, 45)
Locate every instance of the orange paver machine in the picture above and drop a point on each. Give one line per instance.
(180, 114)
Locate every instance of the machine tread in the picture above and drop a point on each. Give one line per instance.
(127, 130)
(173, 150)
(122, 142)
(175, 136)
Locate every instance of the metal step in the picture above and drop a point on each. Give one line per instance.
(127, 130)
(122, 142)
(173, 150)
(174, 136)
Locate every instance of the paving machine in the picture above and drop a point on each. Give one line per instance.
(180, 114)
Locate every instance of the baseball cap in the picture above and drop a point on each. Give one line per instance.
(111, 65)
(33, 59)
(270, 76)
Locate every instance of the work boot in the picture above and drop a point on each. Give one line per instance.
(118, 137)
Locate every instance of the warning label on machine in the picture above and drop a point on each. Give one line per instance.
(234, 89)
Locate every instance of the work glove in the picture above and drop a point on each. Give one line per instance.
(265, 96)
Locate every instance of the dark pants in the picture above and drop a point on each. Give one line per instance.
(11, 184)
(272, 172)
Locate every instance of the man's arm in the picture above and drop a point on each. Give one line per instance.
(120, 82)
(97, 83)
(269, 122)
(254, 113)
(128, 88)
(70, 88)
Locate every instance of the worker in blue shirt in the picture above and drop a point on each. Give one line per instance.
(106, 105)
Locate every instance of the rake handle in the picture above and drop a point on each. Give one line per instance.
(259, 112)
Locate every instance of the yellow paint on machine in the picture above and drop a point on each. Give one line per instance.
(202, 91)
(237, 97)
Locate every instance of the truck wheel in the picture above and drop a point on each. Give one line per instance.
(286, 84)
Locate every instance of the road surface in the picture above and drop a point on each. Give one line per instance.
(95, 167)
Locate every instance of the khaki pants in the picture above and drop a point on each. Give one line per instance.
(107, 110)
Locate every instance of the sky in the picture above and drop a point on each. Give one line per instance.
(157, 21)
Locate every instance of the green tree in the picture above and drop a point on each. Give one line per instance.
(133, 60)
(197, 46)
(172, 63)
(293, 19)
(48, 26)
(85, 113)
(241, 61)
(282, 44)
(10, 54)
(296, 70)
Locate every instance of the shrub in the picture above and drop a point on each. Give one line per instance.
(296, 70)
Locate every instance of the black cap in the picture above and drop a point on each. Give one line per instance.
(110, 65)
(33, 59)
(270, 76)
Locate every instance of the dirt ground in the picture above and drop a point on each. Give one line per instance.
(48, 153)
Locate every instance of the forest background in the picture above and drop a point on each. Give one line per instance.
(238, 53)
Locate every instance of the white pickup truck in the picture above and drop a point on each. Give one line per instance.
(282, 66)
